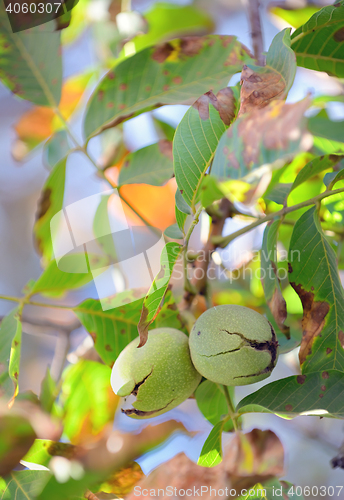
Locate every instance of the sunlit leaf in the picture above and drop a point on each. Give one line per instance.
(155, 295)
(87, 400)
(211, 453)
(197, 137)
(318, 44)
(295, 17)
(174, 73)
(317, 393)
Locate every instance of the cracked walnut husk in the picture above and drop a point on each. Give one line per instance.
(160, 374)
(233, 345)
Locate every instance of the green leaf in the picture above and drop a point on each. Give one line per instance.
(197, 137)
(279, 193)
(281, 59)
(56, 148)
(169, 315)
(174, 73)
(174, 232)
(23, 485)
(326, 146)
(30, 62)
(16, 438)
(55, 282)
(49, 392)
(210, 190)
(331, 178)
(270, 279)
(314, 276)
(10, 345)
(315, 167)
(151, 165)
(211, 453)
(50, 203)
(182, 210)
(155, 295)
(295, 17)
(168, 21)
(87, 400)
(180, 218)
(321, 126)
(212, 403)
(318, 44)
(111, 329)
(317, 393)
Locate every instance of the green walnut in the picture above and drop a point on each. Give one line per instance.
(233, 345)
(160, 374)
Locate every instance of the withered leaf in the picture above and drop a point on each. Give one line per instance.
(249, 458)
(183, 474)
(253, 458)
(314, 314)
(223, 102)
(258, 89)
(277, 127)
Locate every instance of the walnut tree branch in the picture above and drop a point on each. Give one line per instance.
(256, 30)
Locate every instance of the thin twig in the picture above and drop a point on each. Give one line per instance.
(199, 285)
(256, 30)
(224, 241)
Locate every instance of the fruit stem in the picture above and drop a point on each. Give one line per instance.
(231, 410)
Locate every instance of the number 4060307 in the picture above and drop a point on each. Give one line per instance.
(40, 8)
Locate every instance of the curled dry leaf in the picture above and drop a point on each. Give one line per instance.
(273, 128)
(259, 89)
(223, 102)
(183, 474)
(249, 458)
(253, 458)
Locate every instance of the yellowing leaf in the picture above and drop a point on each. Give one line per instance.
(40, 122)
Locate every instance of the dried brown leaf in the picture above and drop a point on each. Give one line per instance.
(314, 314)
(223, 102)
(272, 127)
(253, 458)
(183, 474)
(259, 89)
